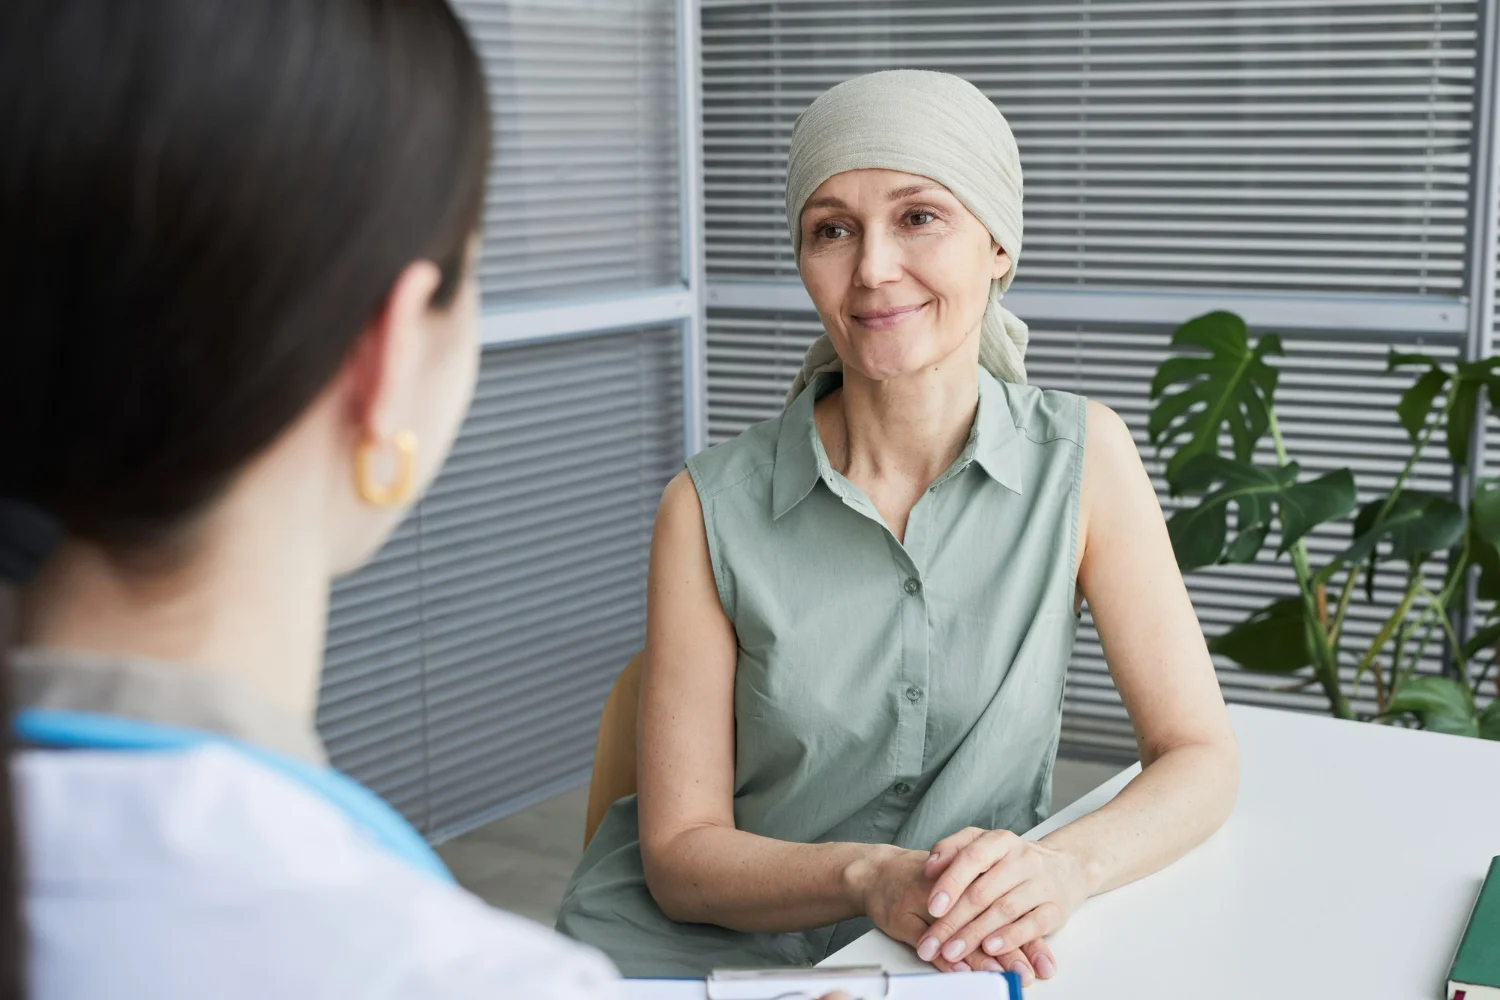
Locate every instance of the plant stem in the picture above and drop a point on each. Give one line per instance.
(1391, 624)
(1337, 629)
(1445, 601)
(1402, 634)
(1325, 666)
(1456, 572)
(1421, 650)
(1441, 610)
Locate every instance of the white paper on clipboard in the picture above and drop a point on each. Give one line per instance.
(932, 986)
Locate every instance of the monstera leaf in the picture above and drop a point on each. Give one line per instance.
(1273, 640)
(1442, 704)
(1230, 389)
(1415, 405)
(1304, 506)
(1418, 524)
(1484, 537)
(1200, 535)
(1465, 383)
(1481, 640)
(1489, 721)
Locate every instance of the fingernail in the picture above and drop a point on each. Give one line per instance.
(953, 950)
(961, 967)
(1044, 967)
(990, 965)
(933, 857)
(927, 950)
(938, 905)
(994, 945)
(1023, 970)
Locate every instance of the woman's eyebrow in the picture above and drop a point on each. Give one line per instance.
(829, 201)
(909, 190)
(826, 201)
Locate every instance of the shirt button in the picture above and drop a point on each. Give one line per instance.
(913, 585)
(913, 694)
(901, 788)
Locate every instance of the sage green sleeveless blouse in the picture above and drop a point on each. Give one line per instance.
(885, 692)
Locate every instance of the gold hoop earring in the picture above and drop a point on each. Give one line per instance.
(376, 493)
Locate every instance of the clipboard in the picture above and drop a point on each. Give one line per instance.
(862, 982)
(867, 982)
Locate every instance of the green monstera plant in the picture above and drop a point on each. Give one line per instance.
(1214, 403)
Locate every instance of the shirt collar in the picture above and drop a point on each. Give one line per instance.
(799, 458)
(995, 438)
(796, 468)
(167, 694)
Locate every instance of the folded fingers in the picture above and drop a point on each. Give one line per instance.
(1007, 905)
(951, 936)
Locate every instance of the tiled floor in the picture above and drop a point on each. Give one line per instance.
(521, 863)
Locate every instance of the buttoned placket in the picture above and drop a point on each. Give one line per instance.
(909, 688)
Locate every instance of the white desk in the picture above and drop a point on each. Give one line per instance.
(1346, 871)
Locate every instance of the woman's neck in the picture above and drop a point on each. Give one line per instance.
(892, 439)
(906, 429)
(250, 602)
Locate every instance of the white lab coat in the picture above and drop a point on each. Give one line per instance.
(202, 874)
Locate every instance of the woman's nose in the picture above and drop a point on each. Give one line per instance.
(879, 260)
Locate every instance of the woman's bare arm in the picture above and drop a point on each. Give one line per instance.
(995, 891)
(698, 866)
(1157, 656)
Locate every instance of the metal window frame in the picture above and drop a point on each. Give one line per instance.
(1484, 246)
(694, 267)
(530, 324)
(682, 303)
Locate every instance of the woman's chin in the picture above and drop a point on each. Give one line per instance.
(886, 368)
(881, 356)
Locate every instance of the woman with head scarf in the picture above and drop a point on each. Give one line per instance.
(861, 612)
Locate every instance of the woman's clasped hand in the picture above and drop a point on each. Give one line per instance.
(982, 900)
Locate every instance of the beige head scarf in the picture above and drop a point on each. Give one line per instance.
(933, 125)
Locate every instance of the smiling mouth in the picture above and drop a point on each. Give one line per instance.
(884, 319)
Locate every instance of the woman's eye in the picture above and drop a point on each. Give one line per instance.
(920, 218)
(831, 231)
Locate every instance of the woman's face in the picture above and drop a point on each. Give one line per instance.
(898, 270)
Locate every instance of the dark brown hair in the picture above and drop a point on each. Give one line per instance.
(202, 204)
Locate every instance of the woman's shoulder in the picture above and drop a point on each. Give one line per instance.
(744, 461)
(1045, 415)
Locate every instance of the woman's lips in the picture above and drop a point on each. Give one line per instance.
(884, 319)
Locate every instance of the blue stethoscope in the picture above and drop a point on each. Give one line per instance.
(47, 727)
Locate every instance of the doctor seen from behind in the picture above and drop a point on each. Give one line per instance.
(237, 336)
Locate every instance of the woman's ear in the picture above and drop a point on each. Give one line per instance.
(386, 362)
(1000, 266)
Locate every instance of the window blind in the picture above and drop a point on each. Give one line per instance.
(584, 180)
(1272, 145)
(468, 663)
